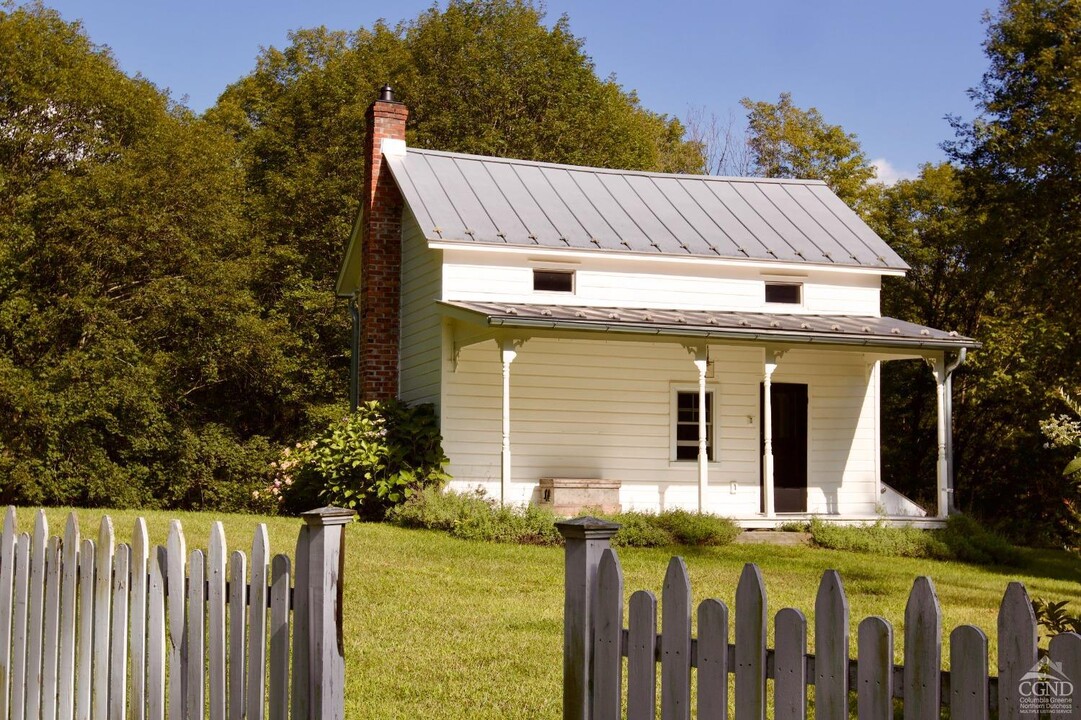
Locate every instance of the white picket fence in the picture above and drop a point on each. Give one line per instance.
(596, 643)
(100, 631)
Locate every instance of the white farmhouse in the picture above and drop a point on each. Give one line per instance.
(599, 337)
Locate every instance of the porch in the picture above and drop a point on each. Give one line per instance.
(614, 394)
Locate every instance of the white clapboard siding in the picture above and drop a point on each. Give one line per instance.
(926, 690)
(115, 631)
(420, 362)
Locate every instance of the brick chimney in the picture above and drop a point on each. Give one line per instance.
(381, 253)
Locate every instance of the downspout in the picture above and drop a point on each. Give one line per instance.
(958, 361)
(354, 355)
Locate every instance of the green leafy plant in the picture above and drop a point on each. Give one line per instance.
(372, 460)
(1054, 617)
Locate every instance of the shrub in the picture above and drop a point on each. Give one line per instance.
(697, 528)
(639, 530)
(473, 516)
(963, 539)
(370, 461)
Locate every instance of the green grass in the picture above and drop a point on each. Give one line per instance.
(438, 627)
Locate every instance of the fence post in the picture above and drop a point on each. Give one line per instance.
(586, 539)
(326, 557)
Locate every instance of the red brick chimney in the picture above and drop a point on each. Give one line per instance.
(381, 254)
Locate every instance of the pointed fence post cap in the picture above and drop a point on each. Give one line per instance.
(328, 516)
(587, 528)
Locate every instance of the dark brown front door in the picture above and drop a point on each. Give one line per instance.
(789, 410)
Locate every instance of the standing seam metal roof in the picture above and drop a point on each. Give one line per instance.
(499, 201)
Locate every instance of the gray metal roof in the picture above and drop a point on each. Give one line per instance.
(486, 200)
(811, 329)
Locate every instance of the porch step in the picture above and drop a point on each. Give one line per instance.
(773, 537)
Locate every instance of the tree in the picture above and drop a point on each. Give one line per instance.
(1021, 158)
(722, 144)
(786, 141)
(134, 365)
(487, 77)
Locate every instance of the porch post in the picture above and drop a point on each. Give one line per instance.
(942, 466)
(507, 354)
(767, 437)
(701, 361)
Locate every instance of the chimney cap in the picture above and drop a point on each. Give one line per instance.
(386, 94)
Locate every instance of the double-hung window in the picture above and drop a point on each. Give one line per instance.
(685, 424)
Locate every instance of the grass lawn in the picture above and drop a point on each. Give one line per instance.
(443, 628)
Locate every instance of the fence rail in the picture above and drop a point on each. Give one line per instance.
(596, 643)
(91, 629)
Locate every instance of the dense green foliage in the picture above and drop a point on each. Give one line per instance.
(962, 539)
(371, 460)
(475, 516)
(135, 365)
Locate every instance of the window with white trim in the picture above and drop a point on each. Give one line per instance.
(685, 409)
(786, 293)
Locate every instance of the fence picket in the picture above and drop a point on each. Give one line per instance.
(51, 645)
(196, 632)
(1016, 648)
(1066, 649)
(278, 699)
(923, 652)
(676, 642)
(18, 631)
(103, 586)
(712, 660)
(7, 589)
(155, 636)
(831, 649)
(36, 615)
(641, 656)
(790, 665)
(238, 623)
(65, 706)
(140, 553)
(301, 653)
(85, 658)
(215, 572)
(607, 639)
(968, 674)
(176, 556)
(751, 644)
(874, 680)
(118, 646)
(257, 623)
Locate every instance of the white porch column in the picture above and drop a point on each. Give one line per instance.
(507, 354)
(701, 361)
(767, 434)
(942, 466)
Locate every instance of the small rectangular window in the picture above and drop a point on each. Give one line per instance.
(686, 425)
(553, 281)
(789, 293)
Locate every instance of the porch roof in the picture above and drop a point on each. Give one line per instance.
(772, 327)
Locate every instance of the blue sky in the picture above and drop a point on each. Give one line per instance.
(887, 71)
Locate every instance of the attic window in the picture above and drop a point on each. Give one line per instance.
(561, 281)
(789, 293)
